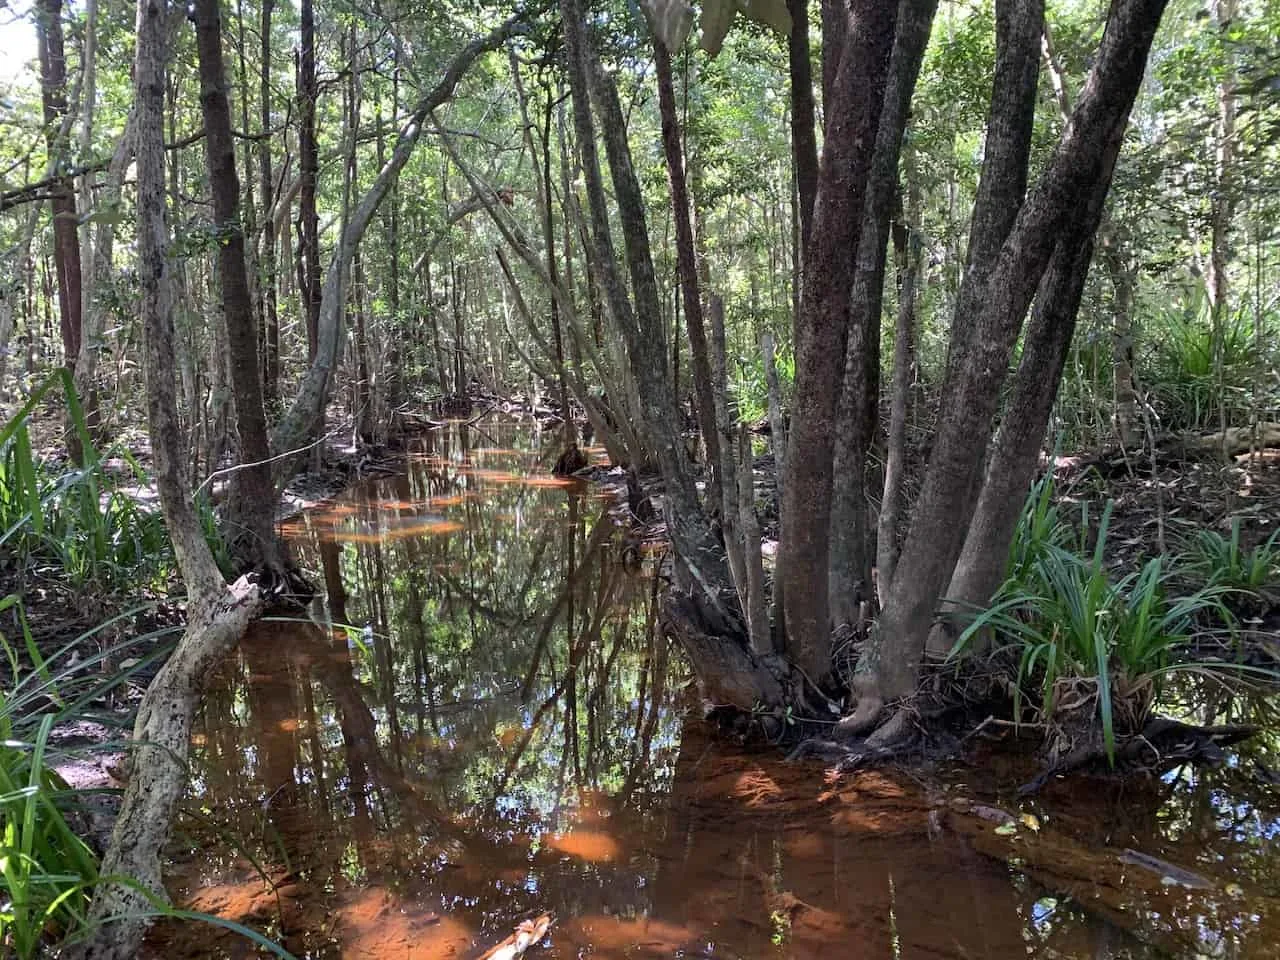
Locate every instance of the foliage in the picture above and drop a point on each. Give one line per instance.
(47, 869)
(1192, 377)
(1068, 620)
(1223, 561)
(90, 525)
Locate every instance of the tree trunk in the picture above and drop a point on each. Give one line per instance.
(891, 502)
(250, 519)
(756, 608)
(804, 141)
(1126, 418)
(309, 167)
(1222, 208)
(852, 539)
(268, 309)
(687, 265)
(216, 615)
(992, 304)
(823, 332)
(66, 242)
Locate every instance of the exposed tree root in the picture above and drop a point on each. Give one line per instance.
(1160, 745)
(729, 674)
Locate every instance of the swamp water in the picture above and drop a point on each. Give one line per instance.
(480, 723)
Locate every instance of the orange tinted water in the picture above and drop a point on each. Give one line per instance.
(480, 723)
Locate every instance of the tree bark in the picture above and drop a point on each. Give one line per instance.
(1222, 208)
(250, 518)
(822, 329)
(216, 615)
(268, 308)
(687, 266)
(309, 167)
(891, 501)
(804, 140)
(852, 535)
(993, 302)
(66, 242)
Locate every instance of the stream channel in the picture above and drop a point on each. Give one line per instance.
(479, 722)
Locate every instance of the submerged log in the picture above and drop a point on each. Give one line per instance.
(1108, 882)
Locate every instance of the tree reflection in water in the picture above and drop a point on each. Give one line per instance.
(480, 720)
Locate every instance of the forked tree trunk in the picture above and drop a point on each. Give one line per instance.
(822, 333)
(992, 310)
(852, 536)
(250, 518)
(216, 615)
(1016, 449)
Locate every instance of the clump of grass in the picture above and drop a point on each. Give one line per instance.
(1084, 639)
(83, 524)
(1223, 561)
(47, 869)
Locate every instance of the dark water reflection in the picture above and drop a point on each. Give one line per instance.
(480, 722)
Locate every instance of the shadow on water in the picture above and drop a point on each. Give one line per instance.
(480, 722)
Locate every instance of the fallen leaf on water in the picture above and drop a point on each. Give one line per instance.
(527, 934)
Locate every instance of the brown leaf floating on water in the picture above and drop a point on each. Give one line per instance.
(528, 932)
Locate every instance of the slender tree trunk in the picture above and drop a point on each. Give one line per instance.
(992, 304)
(309, 166)
(852, 536)
(891, 502)
(66, 243)
(1222, 211)
(250, 522)
(91, 325)
(823, 330)
(687, 266)
(216, 615)
(804, 141)
(268, 309)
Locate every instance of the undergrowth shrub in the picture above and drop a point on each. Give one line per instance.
(1219, 560)
(1082, 638)
(1189, 383)
(85, 525)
